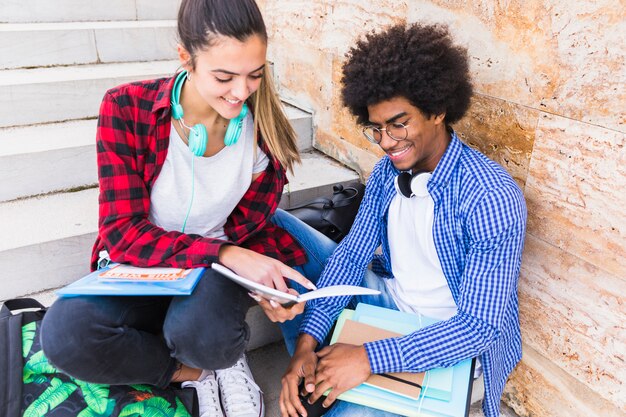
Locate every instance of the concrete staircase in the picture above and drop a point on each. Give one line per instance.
(58, 59)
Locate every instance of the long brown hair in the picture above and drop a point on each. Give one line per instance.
(200, 23)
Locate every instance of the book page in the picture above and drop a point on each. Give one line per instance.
(404, 383)
(287, 299)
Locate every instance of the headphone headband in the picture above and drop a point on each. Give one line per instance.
(177, 109)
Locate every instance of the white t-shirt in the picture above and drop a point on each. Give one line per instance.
(419, 285)
(220, 181)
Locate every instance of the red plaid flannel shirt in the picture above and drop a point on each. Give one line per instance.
(132, 141)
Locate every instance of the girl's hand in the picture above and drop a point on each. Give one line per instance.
(260, 268)
(275, 311)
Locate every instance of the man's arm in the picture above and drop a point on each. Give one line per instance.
(496, 230)
(346, 266)
(348, 262)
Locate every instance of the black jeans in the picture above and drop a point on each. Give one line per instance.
(139, 340)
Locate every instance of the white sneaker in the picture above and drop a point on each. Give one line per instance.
(208, 396)
(241, 396)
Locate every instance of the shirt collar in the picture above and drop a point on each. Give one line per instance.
(163, 99)
(445, 168)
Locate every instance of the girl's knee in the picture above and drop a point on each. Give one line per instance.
(58, 334)
(215, 348)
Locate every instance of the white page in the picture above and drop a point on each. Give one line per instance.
(285, 298)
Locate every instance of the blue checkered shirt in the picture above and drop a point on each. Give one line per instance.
(478, 228)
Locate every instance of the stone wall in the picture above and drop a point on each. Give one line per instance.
(550, 106)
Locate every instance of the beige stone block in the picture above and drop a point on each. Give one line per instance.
(354, 157)
(343, 123)
(588, 50)
(330, 26)
(538, 388)
(304, 76)
(503, 131)
(573, 313)
(574, 191)
(565, 57)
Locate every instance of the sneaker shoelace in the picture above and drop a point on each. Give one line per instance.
(239, 391)
(208, 390)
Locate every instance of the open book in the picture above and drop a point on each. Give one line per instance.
(288, 299)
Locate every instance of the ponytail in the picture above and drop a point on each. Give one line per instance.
(270, 120)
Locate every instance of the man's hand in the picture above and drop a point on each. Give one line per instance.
(302, 366)
(340, 368)
(260, 268)
(275, 311)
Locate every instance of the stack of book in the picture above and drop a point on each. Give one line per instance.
(441, 392)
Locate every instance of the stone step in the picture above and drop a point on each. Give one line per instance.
(68, 43)
(47, 240)
(51, 157)
(43, 158)
(18, 11)
(44, 95)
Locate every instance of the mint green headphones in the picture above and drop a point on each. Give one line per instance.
(197, 134)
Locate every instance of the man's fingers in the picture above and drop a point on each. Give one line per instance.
(294, 275)
(287, 409)
(309, 377)
(330, 398)
(289, 398)
(320, 389)
(325, 351)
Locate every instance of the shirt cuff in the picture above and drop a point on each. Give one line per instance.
(204, 252)
(316, 323)
(384, 356)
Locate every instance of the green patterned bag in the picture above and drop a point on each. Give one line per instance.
(32, 387)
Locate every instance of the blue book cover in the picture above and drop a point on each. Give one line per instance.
(93, 284)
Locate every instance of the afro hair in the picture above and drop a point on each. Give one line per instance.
(417, 62)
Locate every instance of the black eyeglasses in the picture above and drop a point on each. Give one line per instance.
(396, 131)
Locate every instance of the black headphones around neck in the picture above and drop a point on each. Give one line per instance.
(409, 185)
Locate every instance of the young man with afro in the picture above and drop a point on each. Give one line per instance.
(450, 222)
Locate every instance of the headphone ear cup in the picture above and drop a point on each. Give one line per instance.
(403, 184)
(197, 139)
(235, 127)
(419, 184)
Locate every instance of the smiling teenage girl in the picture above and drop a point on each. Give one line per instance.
(191, 170)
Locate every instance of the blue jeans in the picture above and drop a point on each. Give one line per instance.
(318, 249)
(139, 340)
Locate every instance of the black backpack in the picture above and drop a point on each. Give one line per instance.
(32, 387)
(334, 215)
